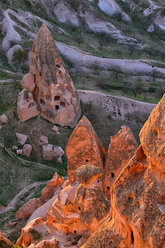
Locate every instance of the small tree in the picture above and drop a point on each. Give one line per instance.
(137, 88)
(20, 56)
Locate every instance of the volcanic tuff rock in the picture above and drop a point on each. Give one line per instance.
(49, 190)
(137, 197)
(50, 83)
(28, 208)
(21, 138)
(27, 149)
(122, 147)
(4, 242)
(77, 210)
(84, 147)
(26, 106)
(3, 119)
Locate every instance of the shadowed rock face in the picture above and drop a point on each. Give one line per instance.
(138, 195)
(84, 147)
(122, 147)
(50, 83)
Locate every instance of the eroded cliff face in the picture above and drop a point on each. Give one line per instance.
(137, 217)
(122, 147)
(82, 216)
(50, 84)
(75, 214)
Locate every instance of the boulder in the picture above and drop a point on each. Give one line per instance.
(121, 149)
(84, 147)
(43, 140)
(27, 149)
(58, 151)
(48, 152)
(26, 210)
(3, 119)
(21, 138)
(137, 195)
(26, 106)
(28, 82)
(55, 129)
(51, 187)
(14, 148)
(54, 92)
(59, 160)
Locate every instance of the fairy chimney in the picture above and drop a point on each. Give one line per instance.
(50, 83)
(84, 147)
(122, 147)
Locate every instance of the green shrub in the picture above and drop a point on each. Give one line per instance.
(20, 56)
(35, 234)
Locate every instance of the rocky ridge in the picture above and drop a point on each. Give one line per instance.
(134, 220)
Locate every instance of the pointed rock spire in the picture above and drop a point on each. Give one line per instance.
(50, 83)
(84, 147)
(122, 147)
(152, 136)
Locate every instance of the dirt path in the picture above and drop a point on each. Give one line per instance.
(12, 204)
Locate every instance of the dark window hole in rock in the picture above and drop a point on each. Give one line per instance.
(112, 174)
(75, 231)
(42, 103)
(132, 238)
(87, 160)
(98, 181)
(58, 65)
(108, 188)
(57, 107)
(57, 98)
(79, 208)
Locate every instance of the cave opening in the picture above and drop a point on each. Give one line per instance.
(57, 107)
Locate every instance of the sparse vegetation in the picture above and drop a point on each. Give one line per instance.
(35, 234)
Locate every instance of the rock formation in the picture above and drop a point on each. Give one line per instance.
(27, 149)
(137, 216)
(122, 147)
(4, 242)
(77, 211)
(50, 83)
(28, 208)
(26, 106)
(49, 190)
(84, 147)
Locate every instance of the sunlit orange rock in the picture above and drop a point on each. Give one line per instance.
(137, 216)
(84, 147)
(51, 187)
(77, 211)
(122, 147)
(50, 83)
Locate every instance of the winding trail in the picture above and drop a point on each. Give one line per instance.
(12, 204)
